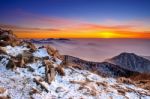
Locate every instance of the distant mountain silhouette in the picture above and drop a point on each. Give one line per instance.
(48, 40)
(147, 57)
(101, 68)
(131, 62)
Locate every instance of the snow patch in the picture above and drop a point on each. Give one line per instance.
(41, 53)
(14, 51)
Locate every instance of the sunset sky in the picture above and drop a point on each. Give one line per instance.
(76, 18)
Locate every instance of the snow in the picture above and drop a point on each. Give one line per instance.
(76, 84)
(14, 51)
(132, 95)
(20, 82)
(41, 53)
(38, 68)
(4, 61)
(58, 61)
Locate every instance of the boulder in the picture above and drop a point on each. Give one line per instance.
(49, 71)
(31, 46)
(4, 43)
(2, 51)
(53, 52)
(60, 89)
(60, 70)
(28, 57)
(11, 65)
(8, 38)
(20, 61)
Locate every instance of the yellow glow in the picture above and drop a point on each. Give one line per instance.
(106, 34)
(81, 34)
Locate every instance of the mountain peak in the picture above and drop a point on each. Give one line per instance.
(126, 53)
(131, 62)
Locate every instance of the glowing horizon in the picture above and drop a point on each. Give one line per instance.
(80, 31)
(76, 19)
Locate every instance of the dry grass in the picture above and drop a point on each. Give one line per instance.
(102, 83)
(85, 85)
(141, 76)
(141, 80)
(124, 80)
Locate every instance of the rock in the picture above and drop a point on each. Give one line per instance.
(3, 93)
(20, 61)
(49, 71)
(5, 37)
(15, 43)
(31, 69)
(8, 38)
(31, 46)
(50, 50)
(60, 70)
(28, 57)
(2, 51)
(11, 65)
(33, 91)
(3, 43)
(60, 89)
(41, 82)
(53, 52)
(51, 75)
(47, 62)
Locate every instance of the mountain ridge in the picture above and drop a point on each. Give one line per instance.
(132, 62)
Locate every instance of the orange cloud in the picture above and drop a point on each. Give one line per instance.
(35, 26)
(85, 31)
(103, 27)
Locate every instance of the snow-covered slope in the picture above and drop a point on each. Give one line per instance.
(76, 84)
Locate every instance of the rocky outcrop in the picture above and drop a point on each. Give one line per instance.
(7, 38)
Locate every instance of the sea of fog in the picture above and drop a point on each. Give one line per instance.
(101, 49)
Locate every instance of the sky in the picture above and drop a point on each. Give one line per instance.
(76, 18)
